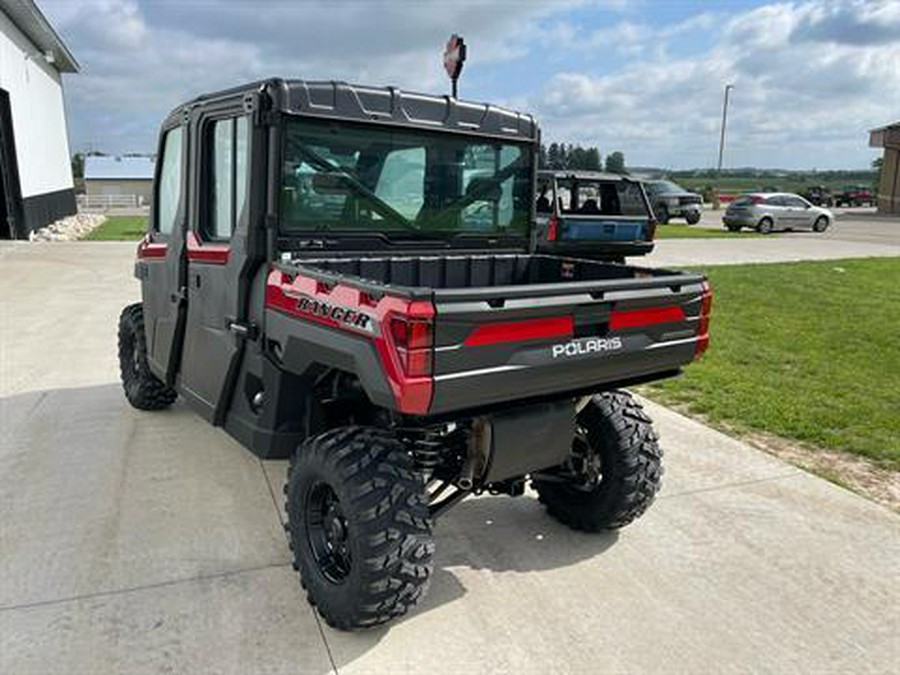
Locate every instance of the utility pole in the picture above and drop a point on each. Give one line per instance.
(728, 88)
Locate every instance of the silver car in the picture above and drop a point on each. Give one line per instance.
(768, 211)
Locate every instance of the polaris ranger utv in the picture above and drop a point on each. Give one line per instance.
(588, 214)
(347, 276)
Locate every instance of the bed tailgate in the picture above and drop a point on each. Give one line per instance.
(500, 344)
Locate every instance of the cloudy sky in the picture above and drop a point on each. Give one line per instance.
(642, 76)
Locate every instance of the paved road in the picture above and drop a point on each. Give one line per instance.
(150, 542)
(855, 234)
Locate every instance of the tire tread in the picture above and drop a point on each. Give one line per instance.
(146, 391)
(634, 476)
(387, 505)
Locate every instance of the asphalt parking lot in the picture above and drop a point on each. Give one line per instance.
(151, 542)
(856, 233)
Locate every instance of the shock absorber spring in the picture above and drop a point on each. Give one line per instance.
(426, 453)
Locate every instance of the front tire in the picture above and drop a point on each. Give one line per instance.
(765, 226)
(692, 218)
(618, 464)
(358, 526)
(142, 388)
(821, 224)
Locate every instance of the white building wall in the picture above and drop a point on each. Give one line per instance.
(39, 121)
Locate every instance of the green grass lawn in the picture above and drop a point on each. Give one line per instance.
(688, 232)
(808, 351)
(124, 228)
(120, 228)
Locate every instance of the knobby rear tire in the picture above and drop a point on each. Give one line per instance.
(618, 429)
(387, 526)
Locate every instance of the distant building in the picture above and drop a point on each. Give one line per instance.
(36, 185)
(889, 188)
(118, 181)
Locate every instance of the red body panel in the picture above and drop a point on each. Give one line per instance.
(348, 309)
(149, 250)
(205, 252)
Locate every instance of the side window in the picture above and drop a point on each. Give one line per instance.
(227, 161)
(241, 164)
(565, 196)
(169, 188)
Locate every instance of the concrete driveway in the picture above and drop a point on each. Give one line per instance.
(150, 542)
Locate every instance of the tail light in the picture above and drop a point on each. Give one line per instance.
(703, 327)
(413, 340)
(552, 228)
(634, 318)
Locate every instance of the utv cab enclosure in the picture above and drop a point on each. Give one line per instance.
(346, 276)
(587, 214)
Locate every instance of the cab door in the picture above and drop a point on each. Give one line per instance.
(799, 212)
(160, 257)
(216, 259)
(778, 210)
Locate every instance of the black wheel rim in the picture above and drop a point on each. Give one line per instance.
(585, 461)
(327, 533)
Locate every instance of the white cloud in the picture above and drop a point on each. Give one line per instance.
(798, 101)
(140, 60)
(810, 77)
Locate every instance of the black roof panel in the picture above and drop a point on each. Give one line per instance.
(388, 105)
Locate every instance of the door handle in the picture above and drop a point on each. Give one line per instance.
(248, 331)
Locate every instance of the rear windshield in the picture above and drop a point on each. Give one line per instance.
(580, 197)
(340, 176)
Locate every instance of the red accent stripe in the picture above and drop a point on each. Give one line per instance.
(205, 252)
(149, 250)
(631, 318)
(517, 331)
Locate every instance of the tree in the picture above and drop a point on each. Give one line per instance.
(553, 156)
(564, 156)
(78, 165)
(560, 157)
(576, 157)
(615, 162)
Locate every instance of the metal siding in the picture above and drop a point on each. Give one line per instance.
(38, 115)
(141, 188)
